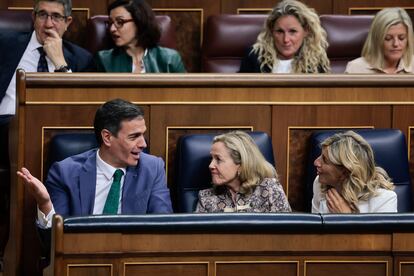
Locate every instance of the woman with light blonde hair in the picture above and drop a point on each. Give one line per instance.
(243, 181)
(292, 41)
(389, 46)
(348, 180)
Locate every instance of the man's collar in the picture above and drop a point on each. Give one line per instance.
(106, 168)
(34, 43)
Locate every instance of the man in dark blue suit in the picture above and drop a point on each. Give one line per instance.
(51, 18)
(82, 184)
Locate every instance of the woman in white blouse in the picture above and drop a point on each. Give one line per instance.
(348, 180)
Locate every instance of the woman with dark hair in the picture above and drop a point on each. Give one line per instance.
(136, 35)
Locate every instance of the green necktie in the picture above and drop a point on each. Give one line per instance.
(112, 201)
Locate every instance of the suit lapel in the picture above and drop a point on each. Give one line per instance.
(130, 186)
(87, 185)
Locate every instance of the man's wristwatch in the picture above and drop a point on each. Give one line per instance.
(63, 68)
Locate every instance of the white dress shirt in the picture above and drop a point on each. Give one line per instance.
(104, 179)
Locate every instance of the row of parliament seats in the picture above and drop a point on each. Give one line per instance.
(346, 37)
(193, 157)
(219, 54)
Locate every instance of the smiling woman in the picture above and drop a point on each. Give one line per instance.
(292, 41)
(136, 35)
(389, 46)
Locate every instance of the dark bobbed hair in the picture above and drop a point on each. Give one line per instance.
(110, 115)
(148, 32)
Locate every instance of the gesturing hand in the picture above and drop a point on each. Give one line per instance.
(336, 203)
(37, 190)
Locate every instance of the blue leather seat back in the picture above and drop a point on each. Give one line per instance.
(63, 145)
(390, 151)
(192, 161)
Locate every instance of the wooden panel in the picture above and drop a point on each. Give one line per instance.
(77, 29)
(346, 268)
(235, 244)
(165, 269)
(256, 268)
(291, 131)
(403, 242)
(406, 268)
(192, 116)
(89, 270)
(342, 6)
(231, 6)
(188, 33)
(189, 18)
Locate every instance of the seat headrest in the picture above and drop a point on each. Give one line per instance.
(64, 145)
(16, 20)
(226, 40)
(346, 37)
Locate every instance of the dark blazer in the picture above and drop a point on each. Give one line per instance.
(250, 63)
(71, 184)
(13, 45)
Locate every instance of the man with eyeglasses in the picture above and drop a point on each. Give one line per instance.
(41, 50)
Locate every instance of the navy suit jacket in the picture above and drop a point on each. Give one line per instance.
(13, 45)
(71, 184)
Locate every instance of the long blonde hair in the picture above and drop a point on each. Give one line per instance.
(244, 152)
(373, 51)
(311, 57)
(351, 151)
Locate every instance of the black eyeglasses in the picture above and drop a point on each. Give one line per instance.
(118, 23)
(56, 17)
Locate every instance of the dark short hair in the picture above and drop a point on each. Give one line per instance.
(110, 115)
(67, 5)
(149, 33)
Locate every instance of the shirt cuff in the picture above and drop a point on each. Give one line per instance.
(45, 221)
